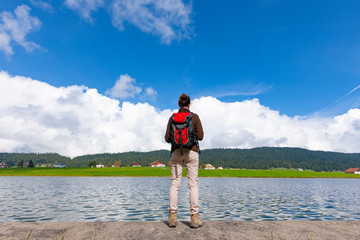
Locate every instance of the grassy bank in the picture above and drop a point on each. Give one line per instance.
(165, 172)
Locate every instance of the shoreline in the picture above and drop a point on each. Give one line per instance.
(254, 230)
(183, 176)
(166, 172)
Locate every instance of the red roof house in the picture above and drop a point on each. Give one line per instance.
(157, 164)
(209, 166)
(136, 164)
(3, 165)
(352, 170)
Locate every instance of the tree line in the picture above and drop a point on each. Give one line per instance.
(255, 158)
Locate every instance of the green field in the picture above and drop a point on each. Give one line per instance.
(165, 172)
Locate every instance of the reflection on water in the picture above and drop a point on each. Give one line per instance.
(146, 199)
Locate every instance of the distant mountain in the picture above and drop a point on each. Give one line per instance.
(13, 158)
(256, 158)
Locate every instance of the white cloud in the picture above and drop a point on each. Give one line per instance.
(75, 120)
(150, 92)
(5, 41)
(84, 7)
(168, 19)
(42, 5)
(125, 87)
(248, 124)
(15, 27)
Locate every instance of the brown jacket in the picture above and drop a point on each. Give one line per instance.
(199, 133)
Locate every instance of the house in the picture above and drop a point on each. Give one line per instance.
(300, 170)
(100, 165)
(43, 165)
(26, 164)
(353, 170)
(4, 165)
(58, 165)
(136, 164)
(157, 164)
(219, 168)
(209, 166)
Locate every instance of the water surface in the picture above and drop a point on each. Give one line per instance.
(37, 199)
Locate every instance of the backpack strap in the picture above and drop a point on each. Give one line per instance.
(181, 143)
(198, 145)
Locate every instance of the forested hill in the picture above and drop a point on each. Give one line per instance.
(273, 157)
(256, 158)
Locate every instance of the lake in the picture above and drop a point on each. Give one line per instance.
(56, 199)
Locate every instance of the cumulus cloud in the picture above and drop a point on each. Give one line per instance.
(15, 27)
(84, 7)
(126, 87)
(249, 124)
(76, 120)
(168, 19)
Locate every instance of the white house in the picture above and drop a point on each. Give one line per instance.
(157, 164)
(100, 165)
(3, 165)
(136, 164)
(219, 168)
(209, 166)
(58, 165)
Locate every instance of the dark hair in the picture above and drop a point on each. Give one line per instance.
(184, 100)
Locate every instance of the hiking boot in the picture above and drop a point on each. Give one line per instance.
(195, 221)
(172, 219)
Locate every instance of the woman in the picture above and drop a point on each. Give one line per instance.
(189, 155)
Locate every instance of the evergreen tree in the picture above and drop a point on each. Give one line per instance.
(20, 163)
(92, 164)
(31, 164)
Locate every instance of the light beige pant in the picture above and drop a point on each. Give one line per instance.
(191, 159)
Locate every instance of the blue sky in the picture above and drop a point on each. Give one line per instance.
(294, 63)
(296, 57)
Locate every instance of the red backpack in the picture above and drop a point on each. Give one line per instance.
(182, 134)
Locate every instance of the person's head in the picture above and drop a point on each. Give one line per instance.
(184, 100)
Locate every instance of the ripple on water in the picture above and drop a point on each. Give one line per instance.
(39, 199)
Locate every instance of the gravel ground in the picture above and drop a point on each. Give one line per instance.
(332, 230)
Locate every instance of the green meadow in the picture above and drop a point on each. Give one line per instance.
(165, 172)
